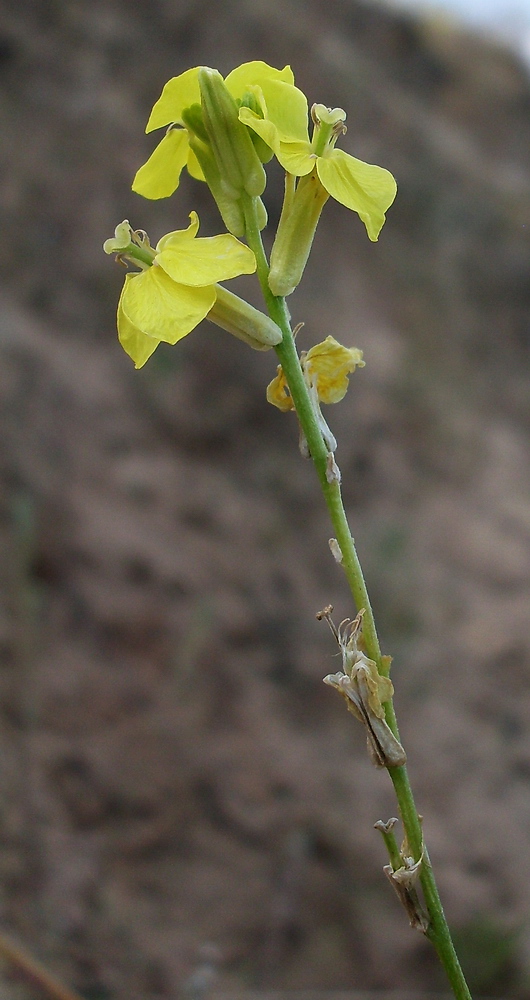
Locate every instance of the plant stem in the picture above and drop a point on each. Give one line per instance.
(438, 930)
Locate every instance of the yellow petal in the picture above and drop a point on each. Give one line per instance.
(178, 93)
(263, 127)
(328, 365)
(159, 177)
(365, 188)
(194, 167)
(278, 394)
(180, 237)
(161, 308)
(206, 261)
(257, 72)
(136, 344)
(295, 156)
(287, 109)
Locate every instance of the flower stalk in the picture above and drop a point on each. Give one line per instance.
(437, 930)
(222, 131)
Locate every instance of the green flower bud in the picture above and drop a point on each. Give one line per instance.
(294, 237)
(229, 207)
(250, 100)
(239, 165)
(241, 319)
(194, 122)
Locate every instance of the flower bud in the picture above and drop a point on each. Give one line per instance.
(194, 122)
(240, 167)
(241, 319)
(295, 234)
(229, 207)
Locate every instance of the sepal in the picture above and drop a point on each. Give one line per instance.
(244, 321)
(296, 231)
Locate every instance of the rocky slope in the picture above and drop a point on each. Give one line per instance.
(175, 773)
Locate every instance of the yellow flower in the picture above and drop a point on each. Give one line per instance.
(159, 176)
(177, 286)
(365, 188)
(326, 367)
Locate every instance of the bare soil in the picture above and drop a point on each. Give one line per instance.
(179, 790)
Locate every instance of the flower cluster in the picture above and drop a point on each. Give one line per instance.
(160, 176)
(223, 131)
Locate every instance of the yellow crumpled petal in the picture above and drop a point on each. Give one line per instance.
(328, 365)
(278, 393)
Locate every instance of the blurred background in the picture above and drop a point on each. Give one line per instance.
(184, 804)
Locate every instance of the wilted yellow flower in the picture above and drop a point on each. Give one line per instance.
(326, 367)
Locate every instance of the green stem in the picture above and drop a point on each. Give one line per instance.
(139, 254)
(438, 931)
